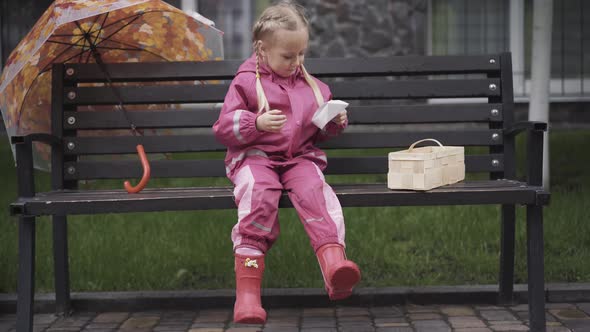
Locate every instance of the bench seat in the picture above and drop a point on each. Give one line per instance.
(203, 198)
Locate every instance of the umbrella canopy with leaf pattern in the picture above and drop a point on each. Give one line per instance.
(94, 31)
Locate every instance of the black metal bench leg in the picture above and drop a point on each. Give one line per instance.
(61, 265)
(507, 255)
(536, 271)
(26, 274)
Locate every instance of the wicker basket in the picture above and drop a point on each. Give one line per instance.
(426, 167)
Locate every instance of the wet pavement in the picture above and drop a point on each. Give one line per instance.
(431, 318)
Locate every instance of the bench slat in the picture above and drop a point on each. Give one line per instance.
(170, 94)
(172, 118)
(379, 164)
(119, 169)
(320, 67)
(414, 89)
(158, 71)
(391, 114)
(363, 140)
(152, 144)
(372, 89)
(403, 65)
(206, 198)
(207, 142)
(428, 113)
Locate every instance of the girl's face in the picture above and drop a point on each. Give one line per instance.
(284, 51)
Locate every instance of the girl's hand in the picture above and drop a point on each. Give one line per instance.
(340, 119)
(271, 121)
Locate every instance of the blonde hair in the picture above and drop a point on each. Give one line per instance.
(282, 15)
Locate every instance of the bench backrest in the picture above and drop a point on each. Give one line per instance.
(398, 104)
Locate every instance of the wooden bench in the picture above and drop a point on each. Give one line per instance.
(400, 110)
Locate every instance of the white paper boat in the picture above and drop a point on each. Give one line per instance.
(327, 112)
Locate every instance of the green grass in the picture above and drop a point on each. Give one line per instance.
(394, 246)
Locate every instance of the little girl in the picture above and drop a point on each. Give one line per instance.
(266, 125)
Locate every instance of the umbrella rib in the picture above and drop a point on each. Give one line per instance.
(71, 45)
(75, 55)
(124, 18)
(134, 48)
(121, 28)
(97, 34)
(73, 34)
(83, 48)
(62, 52)
(131, 45)
(66, 35)
(108, 38)
(119, 48)
(90, 31)
(64, 43)
(102, 26)
(135, 18)
(86, 39)
(95, 20)
(88, 57)
(46, 68)
(80, 27)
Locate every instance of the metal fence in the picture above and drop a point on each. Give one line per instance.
(489, 26)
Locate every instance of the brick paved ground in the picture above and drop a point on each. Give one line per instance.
(431, 318)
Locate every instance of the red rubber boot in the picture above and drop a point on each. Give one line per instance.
(340, 274)
(248, 309)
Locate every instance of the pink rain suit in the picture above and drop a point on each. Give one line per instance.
(262, 164)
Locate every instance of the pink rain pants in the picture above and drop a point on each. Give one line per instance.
(258, 187)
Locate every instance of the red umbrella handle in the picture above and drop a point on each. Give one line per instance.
(146, 173)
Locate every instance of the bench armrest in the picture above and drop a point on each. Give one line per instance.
(535, 140)
(37, 137)
(519, 127)
(24, 160)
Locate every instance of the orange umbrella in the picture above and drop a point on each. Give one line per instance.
(95, 31)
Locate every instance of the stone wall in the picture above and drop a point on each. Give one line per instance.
(366, 27)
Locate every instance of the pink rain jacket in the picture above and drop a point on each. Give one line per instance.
(236, 126)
